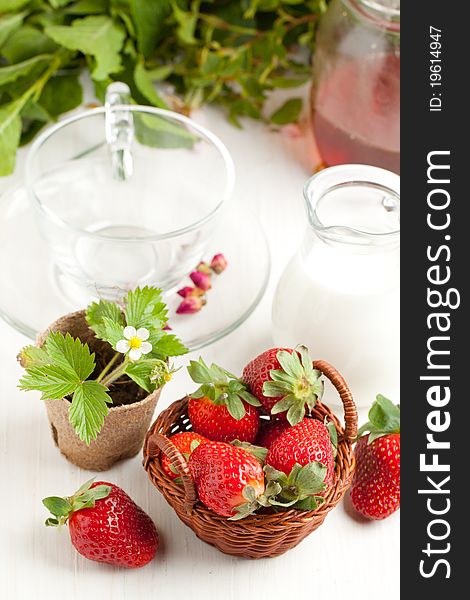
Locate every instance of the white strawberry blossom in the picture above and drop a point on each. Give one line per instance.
(134, 344)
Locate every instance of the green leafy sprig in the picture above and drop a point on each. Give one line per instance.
(62, 366)
(221, 387)
(232, 52)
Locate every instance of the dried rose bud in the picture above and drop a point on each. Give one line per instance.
(219, 263)
(190, 305)
(204, 268)
(201, 280)
(186, 291)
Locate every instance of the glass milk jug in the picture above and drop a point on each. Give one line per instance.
(339, 295)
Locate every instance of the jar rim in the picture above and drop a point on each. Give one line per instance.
(346, 176)
(377, 13)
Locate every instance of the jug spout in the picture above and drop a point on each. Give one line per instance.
(354, 204)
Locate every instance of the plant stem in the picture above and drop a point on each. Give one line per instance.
(116, 373)
(108, 366)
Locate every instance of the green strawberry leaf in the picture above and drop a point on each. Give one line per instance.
(144, 308)
(52, 381)
(166, 345)
(32, 356)
(98, 311)
(88, 409)
(70, 354)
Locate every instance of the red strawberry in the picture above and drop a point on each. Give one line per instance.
(375, 489)
(304, 443)
(106, 525)
(221, 409)
(285, 382)
(270, 431)
(228, 479)
(186, 442)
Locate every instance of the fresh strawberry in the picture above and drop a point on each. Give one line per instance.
(105, 525)
(221, 409)
(186, 442)
(228, 479)
(270, 431)
(375, 489)
(307, 442)
(285, 382)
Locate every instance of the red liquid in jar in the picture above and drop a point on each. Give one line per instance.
(356, 113)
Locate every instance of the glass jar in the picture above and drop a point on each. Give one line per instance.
(339, 295)
(355, 96)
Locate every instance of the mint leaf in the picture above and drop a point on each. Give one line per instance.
(289, 112)
(25, 43)
(10, 133)
(53, 381)
(13, 72)
(61, 94)
(149, 18)
(162, 133)
(9, 24)
(70, 354)
(98, 36)
(87, 7)
(145, 308)
(88, 409)
(146, 88)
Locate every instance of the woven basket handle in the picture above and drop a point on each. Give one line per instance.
(157, 440)
(350, 412)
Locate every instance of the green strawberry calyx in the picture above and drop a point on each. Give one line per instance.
(221, 387)
(384, 419)
(258, 452)
(297, 382)
(84, 497)
(300, 489)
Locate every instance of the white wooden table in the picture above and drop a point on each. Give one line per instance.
(344, 556)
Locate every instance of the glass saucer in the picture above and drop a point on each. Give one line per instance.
(32, 294)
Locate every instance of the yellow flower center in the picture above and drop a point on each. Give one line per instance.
(135, 343)
(167, 377)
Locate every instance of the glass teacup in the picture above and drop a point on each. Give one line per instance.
(127, 196)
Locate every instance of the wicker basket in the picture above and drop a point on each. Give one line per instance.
(261, 535)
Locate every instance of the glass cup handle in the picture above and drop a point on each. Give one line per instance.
(119, 130)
